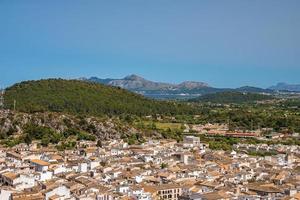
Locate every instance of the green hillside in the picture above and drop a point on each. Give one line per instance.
(232, 97)
(80, 97)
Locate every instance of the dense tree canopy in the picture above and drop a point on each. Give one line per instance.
(79, 97)
(232, 97)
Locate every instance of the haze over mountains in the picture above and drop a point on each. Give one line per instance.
(187, 89)
(286, 87)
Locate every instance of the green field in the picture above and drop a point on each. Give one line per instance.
(160, 125)
(165, 126)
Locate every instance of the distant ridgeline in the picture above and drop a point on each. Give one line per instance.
(158, 90)
(286, 87)
(232, 97)
(81, 97)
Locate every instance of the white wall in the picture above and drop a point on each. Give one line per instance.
(61, 191)
(5, 195)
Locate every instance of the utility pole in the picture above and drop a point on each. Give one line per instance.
(15, 102)
(228, 123)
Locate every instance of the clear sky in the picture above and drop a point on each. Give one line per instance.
(224, 43)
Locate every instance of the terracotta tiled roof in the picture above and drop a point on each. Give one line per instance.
(10, 175)
(40, 162)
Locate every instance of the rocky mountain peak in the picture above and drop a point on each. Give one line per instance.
(192, 85)
(134, 77)
(134, 82)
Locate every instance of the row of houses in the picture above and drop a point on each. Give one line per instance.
(156, 169)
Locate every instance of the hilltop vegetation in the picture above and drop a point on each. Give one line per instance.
(80, 97)
(232, 97)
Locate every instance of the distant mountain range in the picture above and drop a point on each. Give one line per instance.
(137, 83)
(286, 87)
(184, 90)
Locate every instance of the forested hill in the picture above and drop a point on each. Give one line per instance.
(80, 97)
(232, 97)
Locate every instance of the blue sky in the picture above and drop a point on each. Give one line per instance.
(224, 43)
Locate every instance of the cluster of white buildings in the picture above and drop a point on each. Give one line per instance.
(161, 169)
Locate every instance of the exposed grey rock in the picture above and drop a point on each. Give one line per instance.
(102, 128)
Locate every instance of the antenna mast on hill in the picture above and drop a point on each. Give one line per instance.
(2, 92)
